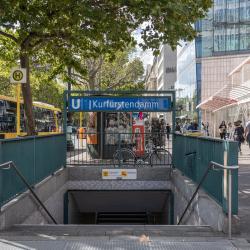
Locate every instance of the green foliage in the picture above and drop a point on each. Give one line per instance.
(61, 30)
(98, 26)
(5, 87)
(45, 89)
(120, 71)
(44, 86)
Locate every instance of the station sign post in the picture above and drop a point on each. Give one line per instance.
(18, 76)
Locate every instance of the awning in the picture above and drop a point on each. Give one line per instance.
(227, 96)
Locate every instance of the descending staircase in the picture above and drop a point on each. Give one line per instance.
(122, 218)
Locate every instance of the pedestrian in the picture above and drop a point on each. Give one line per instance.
(162, 132)
(247, 133)
(168, 129)
(230, 131)
(239, 134)
(155, 131)
(207, 126)
(203, 129)
(185, 127)
(191, 126)
(223, 130)
(195, 126)
(177, 128)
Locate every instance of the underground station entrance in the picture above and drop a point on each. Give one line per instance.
(119, 207)
(118, 133)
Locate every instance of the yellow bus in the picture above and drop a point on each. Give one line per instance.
(47, 118)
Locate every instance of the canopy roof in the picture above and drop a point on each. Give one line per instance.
(226, 96)
(231, 94)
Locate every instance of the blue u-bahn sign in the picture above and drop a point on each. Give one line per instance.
(123, 104)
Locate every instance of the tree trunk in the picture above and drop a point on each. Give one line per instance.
(92, 81)
(69, 114)
(27, 96)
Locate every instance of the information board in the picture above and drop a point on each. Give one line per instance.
(119, 174)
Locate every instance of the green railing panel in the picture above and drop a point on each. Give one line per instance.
(36, 157)
(192, 155)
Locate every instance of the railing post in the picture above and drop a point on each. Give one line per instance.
(230, 204)
(119, 148)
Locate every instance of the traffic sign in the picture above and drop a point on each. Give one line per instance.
(18, 75)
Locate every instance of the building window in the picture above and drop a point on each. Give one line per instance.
(244, 37)
(244, 10)
(219, 38)
(232, 41)
(232, 11)
(220, 11)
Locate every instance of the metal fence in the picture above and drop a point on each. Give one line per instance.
(36, 157)
(119, 149)
(192, 155)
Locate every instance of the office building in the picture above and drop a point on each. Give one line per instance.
(223, 42)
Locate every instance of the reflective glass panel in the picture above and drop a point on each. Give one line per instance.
(219, 38)
(244, 10)
(232, 11)
(245, 37)
(232, 41)
(220, 11)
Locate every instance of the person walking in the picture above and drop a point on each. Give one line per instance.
(168, 129)
(239, 134)
(163, 131)
(223, 130)
(230, 131)
(247, 133)
(177, 128)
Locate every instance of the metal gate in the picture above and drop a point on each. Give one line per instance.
(119, 128)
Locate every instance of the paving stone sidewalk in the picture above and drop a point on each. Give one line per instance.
(244, 191)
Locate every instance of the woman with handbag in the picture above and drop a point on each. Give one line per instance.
(223, 130)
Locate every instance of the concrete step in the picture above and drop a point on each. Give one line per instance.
(122, 218)
(112, 237)
(110, 230)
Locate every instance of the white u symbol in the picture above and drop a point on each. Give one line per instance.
(75, 103)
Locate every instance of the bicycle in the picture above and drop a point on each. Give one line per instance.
(153, 156)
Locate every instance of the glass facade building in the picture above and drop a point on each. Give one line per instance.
(225, 30)
(222, 43)
(186, 80)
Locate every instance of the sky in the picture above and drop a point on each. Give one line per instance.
(145, 56)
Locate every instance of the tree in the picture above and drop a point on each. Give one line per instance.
(5, 86)
(96, 27)
(109, 73)
(121, 71)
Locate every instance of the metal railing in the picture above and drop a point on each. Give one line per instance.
(192, 155)
(11, 164)
(101, 148)
(213, 165)
(37, 157)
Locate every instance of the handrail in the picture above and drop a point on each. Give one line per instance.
(213, 165)
(10, 164)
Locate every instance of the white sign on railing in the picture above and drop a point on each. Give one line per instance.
(119, 174)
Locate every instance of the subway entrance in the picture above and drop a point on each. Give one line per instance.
(133, 207)
(119, 129)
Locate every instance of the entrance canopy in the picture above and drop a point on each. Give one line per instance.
(235, 93)
(227, 96)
